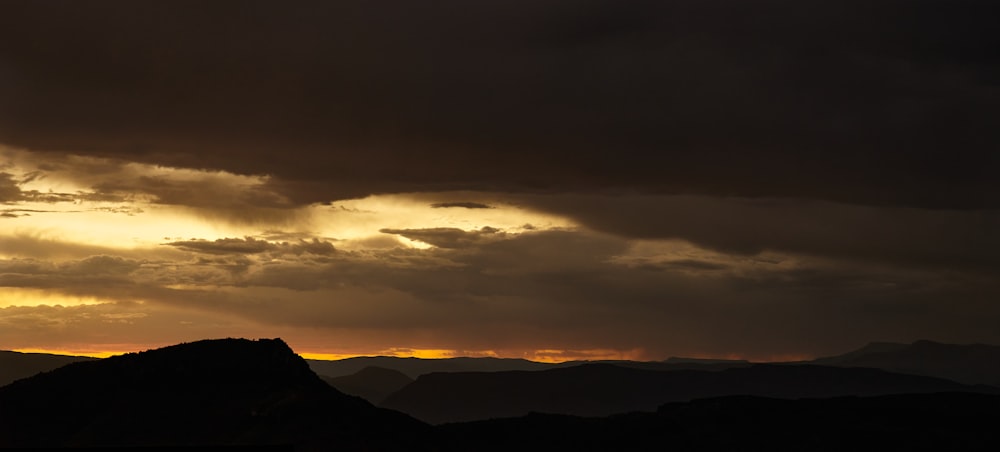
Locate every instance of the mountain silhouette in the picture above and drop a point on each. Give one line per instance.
(213, 392)
(969, 364)
(870, 348)
(671, 364)
(16, 365)
(602, 389)
(713, 361)
(415, 367)
(259, 395)
(371, 383)
(907, 422)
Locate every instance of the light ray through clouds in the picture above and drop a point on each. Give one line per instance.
(429, 274)
(137, 254)
(552, 179)
(126, 238)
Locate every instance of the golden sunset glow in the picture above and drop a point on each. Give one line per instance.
(157, 235)
(97, 253)
(29, 297)
(75, 352)
(499, 225)
(454, 209)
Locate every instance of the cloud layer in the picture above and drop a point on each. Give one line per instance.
(657, 177)
(850, 101)
(555, 290)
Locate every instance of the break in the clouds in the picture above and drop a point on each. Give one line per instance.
(547, 178)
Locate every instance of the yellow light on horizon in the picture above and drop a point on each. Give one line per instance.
(71, 352)
(32, 297)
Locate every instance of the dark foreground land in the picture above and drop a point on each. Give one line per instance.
(258, 395)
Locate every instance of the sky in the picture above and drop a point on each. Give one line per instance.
(541, 179)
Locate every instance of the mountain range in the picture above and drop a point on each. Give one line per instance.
(373, 384)
(604, 389)
(243, 393)
(969, 364)
(415, 367)
(16, 365)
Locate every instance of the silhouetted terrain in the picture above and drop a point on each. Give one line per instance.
(226, 392)
(671, 364)
(371, 383)
(259, 393)
(15, 365)
(602, 389)
(415, 367)
(970, 364)
(941, 422)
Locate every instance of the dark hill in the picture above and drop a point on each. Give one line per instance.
(601, 390)
(371, 383)
(910, 422)
(216, 392)
(16, 365)
(969, 364)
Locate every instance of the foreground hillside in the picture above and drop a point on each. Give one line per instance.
(219, 392)
(910, 422)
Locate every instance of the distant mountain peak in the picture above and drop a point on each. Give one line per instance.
(371, 383)
(969, 364)
(870, 348)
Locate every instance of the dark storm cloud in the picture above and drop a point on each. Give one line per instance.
(890, 102)
(37, 196)
(17, 213)
(10, 189)
(551, 289)
(463, 204)
(93, 273)
(900, 236)
(102, 264)
(250, 245)
(11, 192)
(448, 237)
(206, 192)
(562, 289)
(688, 264)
